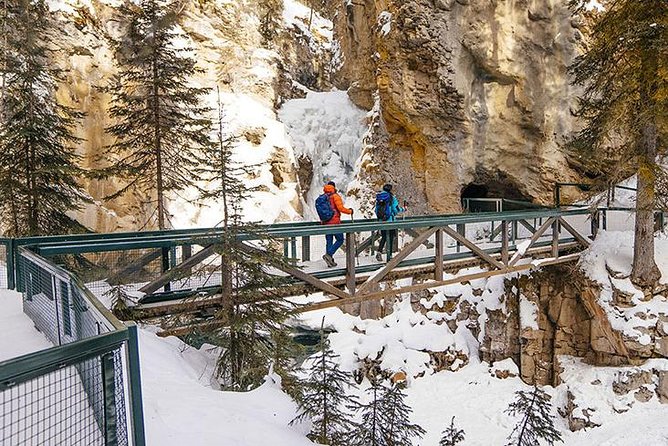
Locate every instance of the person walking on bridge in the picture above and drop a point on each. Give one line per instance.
(387, 209)
(330, 206)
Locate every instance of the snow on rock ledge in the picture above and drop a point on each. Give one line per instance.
(641, 319)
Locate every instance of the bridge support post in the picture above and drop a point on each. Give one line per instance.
(555, 238)
(165, 264)
(438, 258)
(595, 221)
(306, 249)
(461, 230)
(504, 243)
(350, 262)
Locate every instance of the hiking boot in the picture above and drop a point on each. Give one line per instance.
(329, 260)
(379, 257)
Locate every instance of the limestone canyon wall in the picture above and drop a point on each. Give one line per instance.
(468, 91)
(459, 92)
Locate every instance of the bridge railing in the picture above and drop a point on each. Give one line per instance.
(130, 261)
(86, 389)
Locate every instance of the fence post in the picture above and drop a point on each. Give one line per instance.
(504, 242)
(461, 230)
(136, 404)
(438, 258)
(165, 264)
(306, 248)
(11, 258)
(109, 395)
(555, 238)
(350, 262)
(595, 222)
(293, 248)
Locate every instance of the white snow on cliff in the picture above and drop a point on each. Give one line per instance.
(328, 129)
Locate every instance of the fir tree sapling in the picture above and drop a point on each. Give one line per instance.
(385, 418)
(323, 399)
(161, 123)
(39, 166)
(536, 419)
(252, 320)
(452, 435)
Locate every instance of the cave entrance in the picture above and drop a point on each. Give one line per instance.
(484, 196)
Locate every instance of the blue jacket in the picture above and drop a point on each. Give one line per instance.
(394, 209)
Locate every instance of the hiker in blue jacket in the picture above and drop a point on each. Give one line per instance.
(387, 209)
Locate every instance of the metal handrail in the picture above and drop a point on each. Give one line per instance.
(301, 229)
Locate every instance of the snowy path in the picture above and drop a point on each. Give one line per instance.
(18, 336)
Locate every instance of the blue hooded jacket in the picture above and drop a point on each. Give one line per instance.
(394, 205)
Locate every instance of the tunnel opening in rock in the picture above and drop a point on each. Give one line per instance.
(480, 195)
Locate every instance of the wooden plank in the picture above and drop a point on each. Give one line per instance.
(170, 274)
(401, 255)
(528, 225)
(536, 235)
(504, 243)
(144, 260)
(472, 247)
(186, 252)
(195, 304)
(574, 233)
(433, 284)
(350, 262)
(299, 274)
(495, 232)
(555, 238)
(438, 257)
(415, 233)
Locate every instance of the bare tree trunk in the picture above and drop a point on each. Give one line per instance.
(158, 149)
(645, 273)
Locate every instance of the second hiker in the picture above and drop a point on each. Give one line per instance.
(387, 208)
(330, 206)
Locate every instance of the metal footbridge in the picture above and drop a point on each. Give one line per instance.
(177, 271)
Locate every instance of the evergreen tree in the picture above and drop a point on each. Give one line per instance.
(536, 420)
(253, 318)
(161, 124)
(323, 399)
(38, 161)
(624, 75)
(385, 418)
(452, 435)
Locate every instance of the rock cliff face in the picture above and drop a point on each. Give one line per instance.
(254, 52)
(469, 92)
(462, 93)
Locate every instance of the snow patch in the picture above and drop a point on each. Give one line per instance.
(385, 23)
(528, 313)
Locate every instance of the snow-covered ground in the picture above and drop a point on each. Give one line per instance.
(181, 404)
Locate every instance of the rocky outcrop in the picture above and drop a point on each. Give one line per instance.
(468, 92)
(569, 322)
